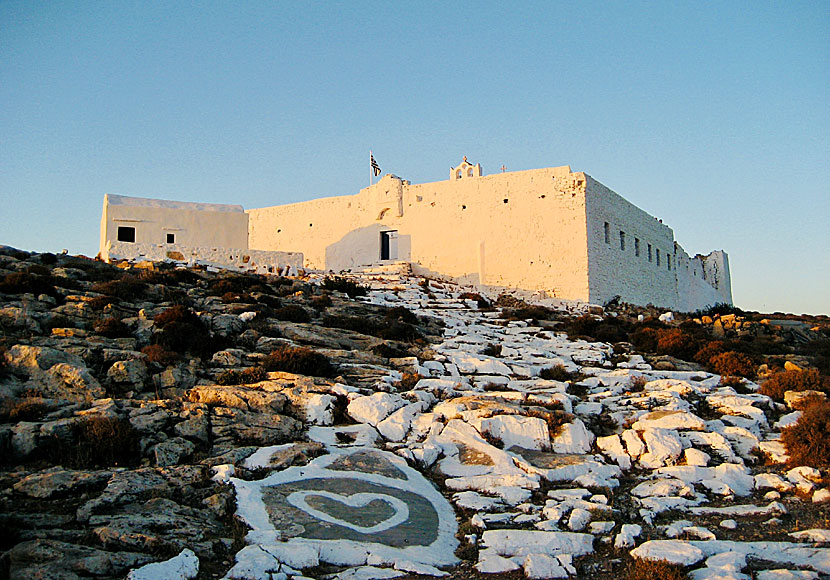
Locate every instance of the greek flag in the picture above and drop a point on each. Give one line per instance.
(374, 164)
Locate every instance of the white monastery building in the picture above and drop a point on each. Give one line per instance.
(551, 230)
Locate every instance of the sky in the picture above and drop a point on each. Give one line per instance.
(712, 116)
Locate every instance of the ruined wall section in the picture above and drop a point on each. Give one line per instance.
(631, 253)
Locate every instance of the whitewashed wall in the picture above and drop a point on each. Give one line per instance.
(192, 224)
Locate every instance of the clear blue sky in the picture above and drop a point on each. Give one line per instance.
(711, 116)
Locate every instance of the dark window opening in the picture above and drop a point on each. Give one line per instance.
(622, 240)
(658, 256)
(171, 238)
(126, 234)
(505, 200)
(649, 252)
(637, 247)
(607, 233)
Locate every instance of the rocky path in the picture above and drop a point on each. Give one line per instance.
(556, 478)
(497, 449)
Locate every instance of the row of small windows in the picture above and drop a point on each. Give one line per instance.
(652, 252)
(127, 234)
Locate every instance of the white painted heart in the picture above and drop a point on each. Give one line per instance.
(357, 500)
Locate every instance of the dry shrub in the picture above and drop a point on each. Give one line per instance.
(237, 284)
(407, 382)
(480, 300)
(292, 313)
(637, 383)
(555, 418)
(677, 343)
(736, 383)
(402, 314)
(112, 328)
(127, 288)
(321, 301)
(233, 297)
(600, 329)
(23, 409)
(181, 330)
(28, 283)
(734, 364)
(105, 442)
(709, 350)
(556, 373)
(806, 441)
(806, 380)
(526, 313)
(158, 354)
(640, 569)
(645, 339)
(245, 377)
(341, 284)
(492, 349)
(299, 360)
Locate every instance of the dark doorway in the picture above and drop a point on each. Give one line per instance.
(389, 245)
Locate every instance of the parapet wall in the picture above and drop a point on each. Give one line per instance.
(242, 260)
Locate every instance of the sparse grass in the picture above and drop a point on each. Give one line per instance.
(608, 330)
(640, 569)
(299, 360)
(806, 441)
(793, 380)
(387, 329)
(637, 383)
(341, 284)
(97, 442)
(321, 301)
(555, 418)
(28, 283)
(526, 313)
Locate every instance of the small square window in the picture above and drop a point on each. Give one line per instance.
(171, 238)
(126, 234)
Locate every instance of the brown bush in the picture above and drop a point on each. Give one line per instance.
(127, 288)
(492, 349)
(806, 441)
(481, 301)
(709, 350)
(556, 373)
(637, 383)
(407, 382)
(302, 361)
(244, 377)
(609, 329)
(806, 380)
(112, 328)
(675, 342)
(640, 569)
(28, 283)
(527, 313)
(23, 409)
(181, 330)
(645, 339)
(321, 302)
(233, 297)
(349, 287)
(292, 313)
(735, 364)
(97, 442)
(158, 354)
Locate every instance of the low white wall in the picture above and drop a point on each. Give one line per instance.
(254, 261)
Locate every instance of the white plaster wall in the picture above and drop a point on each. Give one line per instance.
(193, 224)
(241, 259)
(616, 272)
(460, 228)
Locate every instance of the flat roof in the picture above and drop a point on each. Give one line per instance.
(113, 199)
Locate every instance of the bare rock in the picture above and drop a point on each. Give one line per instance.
(254, 428)
(131, 374)
(238, 397)
(196, 426)
(172, 451)
(53, 560)
(58, 482)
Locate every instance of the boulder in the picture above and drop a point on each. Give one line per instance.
(59, 482)
(254, 428)
(52, 559)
